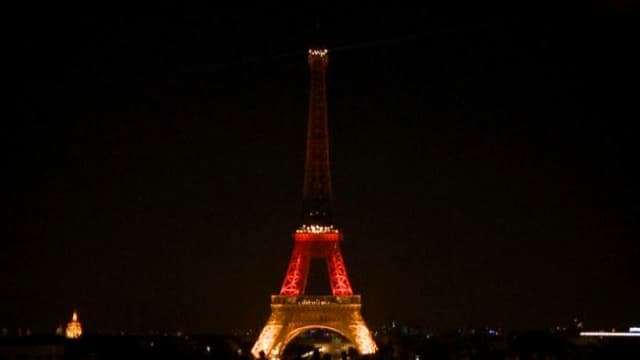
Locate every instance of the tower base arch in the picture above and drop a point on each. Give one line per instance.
(291, 315)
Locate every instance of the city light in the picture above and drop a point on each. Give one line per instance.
(610, 334)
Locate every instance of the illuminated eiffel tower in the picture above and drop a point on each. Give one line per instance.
(292, 312)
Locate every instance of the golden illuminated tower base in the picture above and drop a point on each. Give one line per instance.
(291, 315)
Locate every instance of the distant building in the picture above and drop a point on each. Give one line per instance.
(74, 328)
(59, 330)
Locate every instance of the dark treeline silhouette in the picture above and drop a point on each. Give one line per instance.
(392, 345)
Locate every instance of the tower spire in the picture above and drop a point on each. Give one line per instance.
(318, 194)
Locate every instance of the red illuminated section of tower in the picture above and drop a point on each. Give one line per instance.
(317, 238)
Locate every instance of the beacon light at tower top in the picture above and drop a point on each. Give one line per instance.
(319, 52)
(316, 229)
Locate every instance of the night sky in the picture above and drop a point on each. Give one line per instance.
(484, 164)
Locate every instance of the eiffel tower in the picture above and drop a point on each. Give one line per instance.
(293, 312)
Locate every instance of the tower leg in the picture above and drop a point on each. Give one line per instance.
(296, 279)
(269, 342)
(338, 274)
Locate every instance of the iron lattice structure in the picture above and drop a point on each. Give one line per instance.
(290, 316)
(307, 246)
(292, 312)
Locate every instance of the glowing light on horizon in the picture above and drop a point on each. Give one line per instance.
(74, 328)
(610, 334)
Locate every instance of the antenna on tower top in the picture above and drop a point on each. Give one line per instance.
(317, 40)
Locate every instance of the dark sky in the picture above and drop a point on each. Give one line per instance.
(483, 159)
